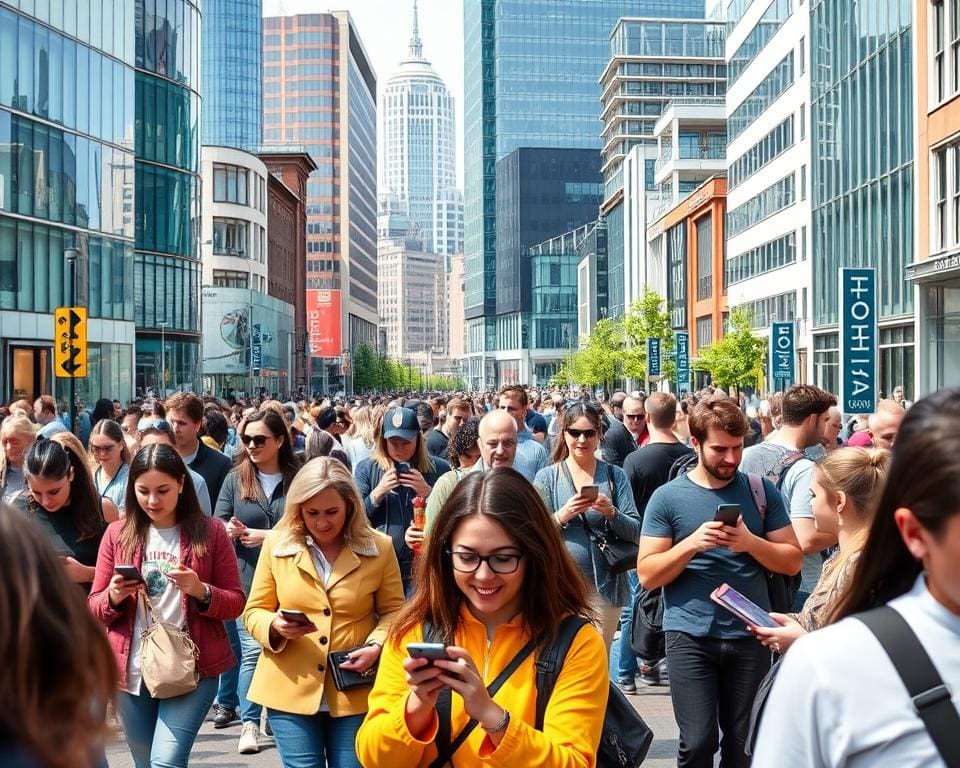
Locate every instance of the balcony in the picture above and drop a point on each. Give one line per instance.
(700, 152)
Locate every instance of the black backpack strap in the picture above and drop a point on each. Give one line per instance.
(550, 662)
(443, 699)
(446, 750)
(612, 485)
(931, 696)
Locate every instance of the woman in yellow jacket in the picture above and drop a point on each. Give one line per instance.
(494, 576)
(325, 561)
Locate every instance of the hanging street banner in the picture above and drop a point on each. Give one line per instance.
(653, 357)
(782, 351)
(858, 340)
(681, 346)
(70, 342)
(257, 349)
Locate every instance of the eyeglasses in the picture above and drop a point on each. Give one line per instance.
(98, 449)
(576, 434)
(633, 416)
(258, 440)
(469, 562)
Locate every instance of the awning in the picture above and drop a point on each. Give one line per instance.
(945, 267)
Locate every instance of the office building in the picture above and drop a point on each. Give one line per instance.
(230, 68)
(418, 154)
(319, 91)
(769, 269)
(167, 269)
(936, 271)
(67, 113)
(671, 57)
(862, 175)
(457, 337)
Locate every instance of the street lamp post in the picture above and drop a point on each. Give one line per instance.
(163, 360)
(71, 254)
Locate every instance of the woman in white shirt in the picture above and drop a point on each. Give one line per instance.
(838, 701)
(109, 451)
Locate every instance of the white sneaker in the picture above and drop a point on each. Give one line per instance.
(249, 739)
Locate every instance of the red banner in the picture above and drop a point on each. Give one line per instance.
(323, 322)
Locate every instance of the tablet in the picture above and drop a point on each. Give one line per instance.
(743, 608)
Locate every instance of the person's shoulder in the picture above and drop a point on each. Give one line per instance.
(440, 466)
(545, 476)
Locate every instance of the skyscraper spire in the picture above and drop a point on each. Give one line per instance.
(416, 47)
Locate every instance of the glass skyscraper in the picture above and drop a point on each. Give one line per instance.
(167, 272)
(862, 169)
(66, 181)
(531, 72)
(231, 73)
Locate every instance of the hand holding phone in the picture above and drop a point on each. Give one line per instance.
(742, 607)
(403, 467)
(129, 573)
(430, 651)
(728, 514)
(590, 492)
(296, 617)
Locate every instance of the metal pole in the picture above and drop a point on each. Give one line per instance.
(163, 360)
(71, 254)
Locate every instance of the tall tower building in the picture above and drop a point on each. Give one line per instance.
(230, 66)
(320, 92)
(418, 166)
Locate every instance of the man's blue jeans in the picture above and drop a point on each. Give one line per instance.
(235, 683)
(161, 732)
(713, 682)
(308, 741)
(627, 666)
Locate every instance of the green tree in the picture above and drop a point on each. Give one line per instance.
(648, 318)
(736, 360)
(364, 369)
(600, 359)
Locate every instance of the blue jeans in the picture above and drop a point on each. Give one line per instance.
(627, 666)
(312, 741)
(713, 682)
(161, 732)
(250, 651)
(227, 692)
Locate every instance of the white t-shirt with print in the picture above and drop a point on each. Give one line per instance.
(160, 555)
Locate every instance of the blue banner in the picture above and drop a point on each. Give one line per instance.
(653, 357)
(682, 350)
(782, 350)
(858, 340)
(257, 350)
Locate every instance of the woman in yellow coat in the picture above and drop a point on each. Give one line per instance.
(495, 575)
(325, 561)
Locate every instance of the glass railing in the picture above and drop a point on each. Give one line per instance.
(715, 152)
(650, 37)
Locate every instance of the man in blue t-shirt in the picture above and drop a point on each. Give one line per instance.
(715, 664)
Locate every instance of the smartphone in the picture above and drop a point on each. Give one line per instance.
(129, 572)
(431, 651)
(743, 608)
(590, 492)
(728, 514)
(403, 467)
(296, 617)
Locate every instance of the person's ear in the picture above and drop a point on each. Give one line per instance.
(914, 535)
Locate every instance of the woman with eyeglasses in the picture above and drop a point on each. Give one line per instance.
(109, 452)
(482, 577)
(586, 495)
(250, 504)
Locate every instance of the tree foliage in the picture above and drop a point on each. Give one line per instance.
(378, 373)
(600, 359)
(648, 318)
(736, 360)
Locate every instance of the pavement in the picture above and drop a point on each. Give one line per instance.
(219, 747)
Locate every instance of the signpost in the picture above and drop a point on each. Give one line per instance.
(782, 350)
(858, 340)
(257, 349)
(682, 348)
(70, 345)
(653, 358)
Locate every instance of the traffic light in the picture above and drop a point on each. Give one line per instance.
(70, 342)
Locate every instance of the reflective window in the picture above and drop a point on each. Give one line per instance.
(167, 290)
(231, 237)
(769, 147)
(166, 123)
(166, 37)
(771, 200)
(767, 26)
(168, 208)
(762, 259)
(769, 90)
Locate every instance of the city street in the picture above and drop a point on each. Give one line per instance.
(219, 747)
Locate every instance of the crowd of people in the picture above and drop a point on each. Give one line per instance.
(373, 581)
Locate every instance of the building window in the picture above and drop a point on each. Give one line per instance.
(826, 362)
(229, 184)
(942, 192)
(803, 121)
(764, 204)
(939, 48)
(705, 257)
(228, 278)
(955, 44)
(803, 182)
(230, 237)
(704, 331)
(803, 55)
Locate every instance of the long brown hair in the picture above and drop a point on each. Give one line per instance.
(190, 517)
(247, 481)
(50, 460)
(574, 411)
(924, 477)
(505, 496)
(60, 671)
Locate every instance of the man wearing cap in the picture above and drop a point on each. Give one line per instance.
(531, 456)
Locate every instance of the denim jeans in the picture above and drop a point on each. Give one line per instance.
(711, 676)
(627, 666)
(250, 651)
(227, 691)
(310, 741)
(161, 732)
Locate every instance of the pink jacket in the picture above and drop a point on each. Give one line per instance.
(218, 568)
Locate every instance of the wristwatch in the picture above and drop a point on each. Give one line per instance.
(207, 594)
(502, 725)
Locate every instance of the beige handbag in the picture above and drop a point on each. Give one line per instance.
(168, 657)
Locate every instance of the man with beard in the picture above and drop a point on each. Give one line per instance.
(715, 664)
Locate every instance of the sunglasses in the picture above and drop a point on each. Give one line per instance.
(258, 440)
(576, 434)
(146, 424)
(102, 448)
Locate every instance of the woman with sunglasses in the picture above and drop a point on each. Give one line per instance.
(109, 451)
(568, 487)
(482, 577)
(250, 504)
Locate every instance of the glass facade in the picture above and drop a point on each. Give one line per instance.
(769, 90)
(862, 171)
(66, 181)
(762, 259)
(771, 146)
(615, 256)
(777, 12)
(167, 228)
(762, 205)
(231, 77)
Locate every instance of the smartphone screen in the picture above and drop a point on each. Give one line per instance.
(129, 572)
(590, 492)
(728, 514)
(742, 607)
(295, 617)
(431, 651)
(403, 467)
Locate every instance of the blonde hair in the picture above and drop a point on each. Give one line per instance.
(420, 460)
(16, 423)
(316, 476)
(362, 426)
(72, 442)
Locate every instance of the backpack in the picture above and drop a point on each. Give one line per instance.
(646, 632)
